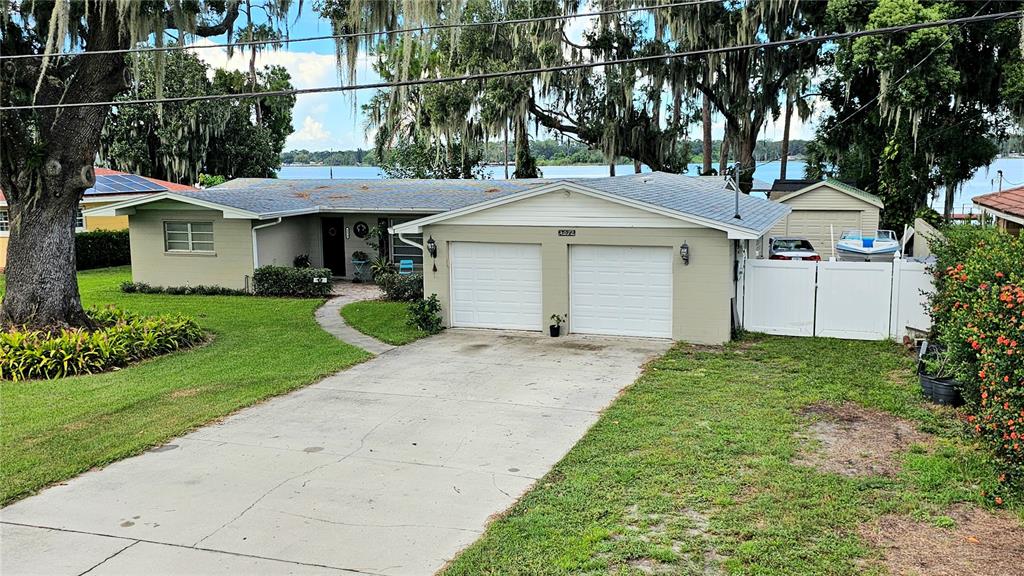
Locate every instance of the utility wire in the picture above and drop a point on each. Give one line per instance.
(533, 71)
(367, 34)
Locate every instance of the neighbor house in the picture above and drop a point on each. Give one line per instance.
(822, 210)
(111, 186)
(642, 255)
(1006, 208)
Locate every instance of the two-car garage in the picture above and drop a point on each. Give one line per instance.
(614, 290)
(650, 255)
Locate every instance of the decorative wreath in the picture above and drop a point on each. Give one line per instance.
(361, 229)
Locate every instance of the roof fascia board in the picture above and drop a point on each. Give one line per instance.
(1003, 215)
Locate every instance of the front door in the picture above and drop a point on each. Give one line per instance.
(333, 230)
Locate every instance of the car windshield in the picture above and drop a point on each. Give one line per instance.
(793, 244)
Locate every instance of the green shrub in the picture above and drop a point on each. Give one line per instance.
(299, 282)
(120, 338)
(102, 249)
(199, 289)
(401, 287)
(425, 314)
(978, 317)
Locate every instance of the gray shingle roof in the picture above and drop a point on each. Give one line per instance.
(705, 197)
(268, 196)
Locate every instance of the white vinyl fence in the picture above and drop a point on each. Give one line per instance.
(852, 300)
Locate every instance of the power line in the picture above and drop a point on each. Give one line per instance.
(534, 71)
(368, 34)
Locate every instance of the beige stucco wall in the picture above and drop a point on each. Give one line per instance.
(279, 244)
(228, 266)
(702, 291)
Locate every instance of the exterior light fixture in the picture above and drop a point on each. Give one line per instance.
(684, 253)
(432, 247)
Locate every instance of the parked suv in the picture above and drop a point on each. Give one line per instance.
(791, 249)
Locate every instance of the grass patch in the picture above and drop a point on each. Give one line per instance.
(385, 321)
(694, 466)
(54, 429)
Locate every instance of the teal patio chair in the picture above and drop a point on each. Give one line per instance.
(405, 267)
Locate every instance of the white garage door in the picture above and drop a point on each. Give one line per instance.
(817, 226)
(496, 285)
(620, 290)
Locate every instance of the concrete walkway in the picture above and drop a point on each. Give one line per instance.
(388, 468)
(329, 317)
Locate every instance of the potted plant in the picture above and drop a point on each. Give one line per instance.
(359, 261)
(937, 382)
(556, 326)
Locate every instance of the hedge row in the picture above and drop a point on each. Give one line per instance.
(287, 281)
(101, 249)
(978, 318)
(120, 338)
(401, 287)
(199, 289)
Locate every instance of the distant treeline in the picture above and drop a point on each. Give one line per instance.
(548, 153)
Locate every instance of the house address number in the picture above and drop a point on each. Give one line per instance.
(566, 232)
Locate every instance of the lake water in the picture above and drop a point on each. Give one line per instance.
(984, 181)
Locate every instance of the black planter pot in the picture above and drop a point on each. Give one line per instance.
(926, 385)
(945, 391)
(555, 330)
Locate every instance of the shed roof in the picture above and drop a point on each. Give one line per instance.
(782, 190)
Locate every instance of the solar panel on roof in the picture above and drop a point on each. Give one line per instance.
(123, 184)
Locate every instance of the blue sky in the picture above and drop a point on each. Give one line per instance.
(335, 121)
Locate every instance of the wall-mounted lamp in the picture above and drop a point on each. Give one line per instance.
(432, 247)
(684, 253)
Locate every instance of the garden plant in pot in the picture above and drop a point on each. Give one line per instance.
(937, 382)
(556, 325)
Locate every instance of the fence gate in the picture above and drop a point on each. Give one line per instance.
(852, 300)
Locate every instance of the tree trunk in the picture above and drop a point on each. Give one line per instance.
(526, 165)
(745, 157)
(42, 287)
(947, 208)
(611, 168)
(723, 154)
(506, 151)
(636, 167)
(784, 152)
(46, 165)
(706, 121)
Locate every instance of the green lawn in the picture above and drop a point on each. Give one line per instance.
(695, 457)
(385, 321)
(53, 430)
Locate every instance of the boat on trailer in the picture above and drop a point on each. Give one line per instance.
(854, 246)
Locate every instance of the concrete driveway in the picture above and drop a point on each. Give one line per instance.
(390, 467)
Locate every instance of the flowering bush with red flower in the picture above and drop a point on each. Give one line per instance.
(978, 316)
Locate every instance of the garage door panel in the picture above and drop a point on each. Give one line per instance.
(496, 285)
(818, 225)
(621, 290)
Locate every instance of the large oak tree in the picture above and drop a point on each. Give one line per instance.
(47, 155)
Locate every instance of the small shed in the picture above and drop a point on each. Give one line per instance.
(822, 210)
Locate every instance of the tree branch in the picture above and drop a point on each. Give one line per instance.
(226, 24)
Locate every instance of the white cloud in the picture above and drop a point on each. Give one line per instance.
(312, 135)
(329, 120)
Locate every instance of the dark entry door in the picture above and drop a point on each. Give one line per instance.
(333, 230)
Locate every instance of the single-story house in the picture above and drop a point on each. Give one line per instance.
(641, 255)
(822, 210)
(1006, 208)
(111, 186)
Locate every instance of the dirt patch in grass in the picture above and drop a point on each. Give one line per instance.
(694, 551)
(979, 543)
(185, 393)
(856, 441)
